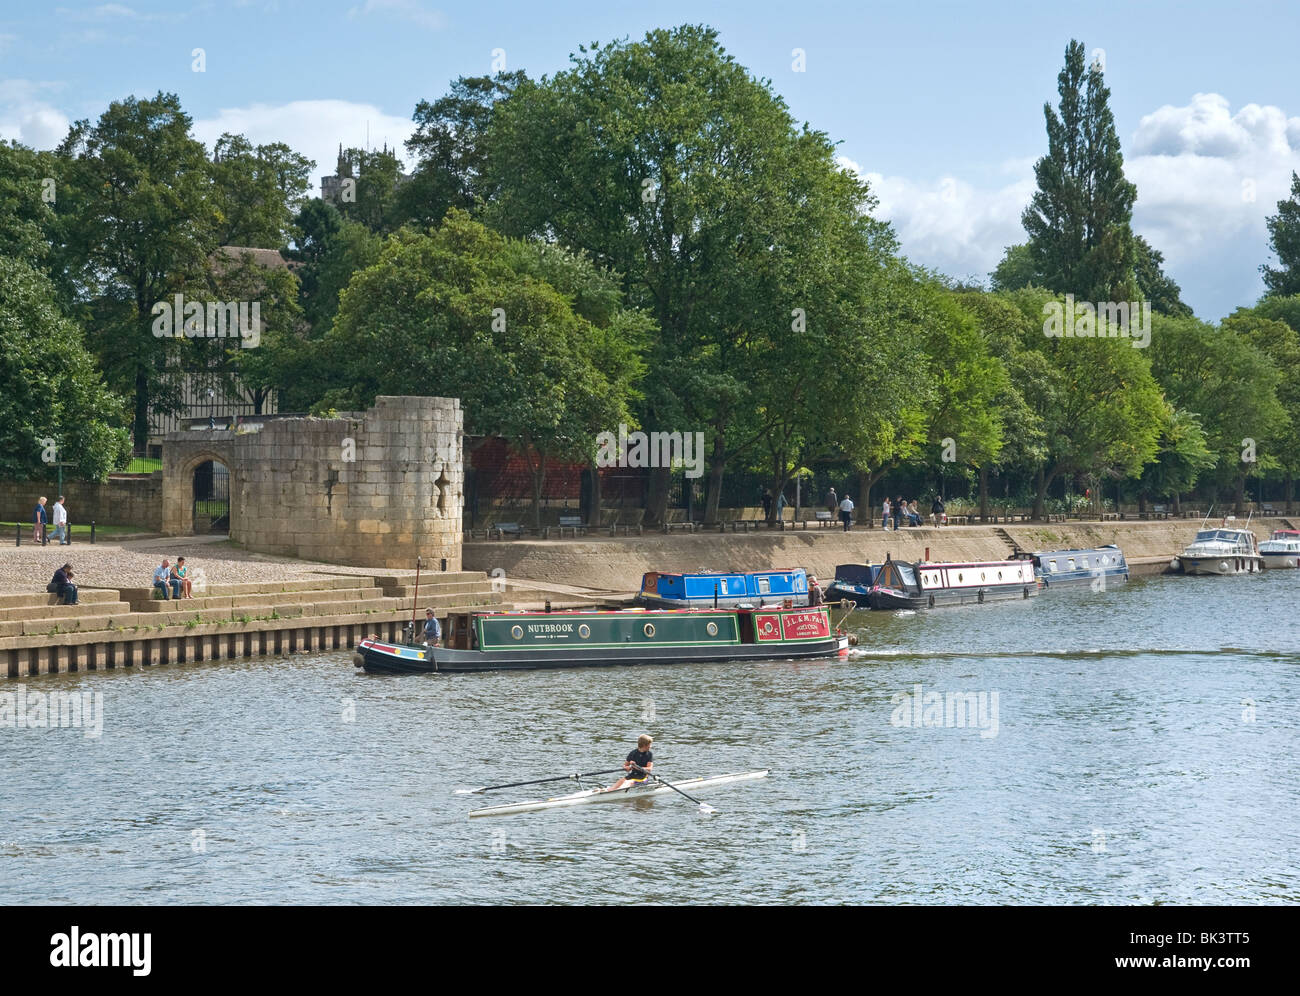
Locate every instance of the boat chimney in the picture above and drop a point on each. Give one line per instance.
(927, 554)
(548, 605)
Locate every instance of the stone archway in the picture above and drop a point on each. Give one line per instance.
(180, 464)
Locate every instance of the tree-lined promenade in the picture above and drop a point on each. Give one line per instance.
(647, 237)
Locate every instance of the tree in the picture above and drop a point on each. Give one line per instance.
(1153, 283)
(450, 148)
(668, 163)
(458, 312)
(257, 191)
(1284, 240)
(138, 227)
(1101, 410)
(1016, 269)
(1080, 240)
(49, 387)
(28, 187)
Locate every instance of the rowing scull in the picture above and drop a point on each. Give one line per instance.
(639, 791)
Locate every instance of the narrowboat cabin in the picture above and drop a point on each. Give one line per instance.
(1100, 567)
(722, 589)
(1282, 549)
(853, 584)
(923, 585)
(514, 641)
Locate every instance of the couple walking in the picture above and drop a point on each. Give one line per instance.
(62, 530)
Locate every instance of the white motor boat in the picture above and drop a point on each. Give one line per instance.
(1227, 550)
(1282, 549)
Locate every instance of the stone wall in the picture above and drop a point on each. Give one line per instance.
(119, 501)
(372, 489)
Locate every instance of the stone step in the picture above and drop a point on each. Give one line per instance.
(449, 588)
(256, 602)
(131, 625)
(428, 577)
(63, 611)
(42, 598)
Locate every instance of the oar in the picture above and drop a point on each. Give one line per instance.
(704, 806)
(539, 781)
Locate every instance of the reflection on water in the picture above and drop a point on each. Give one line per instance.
(1143, 754)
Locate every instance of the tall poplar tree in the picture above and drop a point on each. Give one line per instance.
(1080, 239)
(1284, 240)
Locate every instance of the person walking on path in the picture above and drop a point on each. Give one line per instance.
(832, 501)
(936, 512)
(38, 520)
(884, 514)
(61, 528)
(846, 513)
(780, 505)
(767, 504)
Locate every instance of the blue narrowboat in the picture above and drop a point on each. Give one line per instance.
(1100, 566)
(853, 583)
(707, 589)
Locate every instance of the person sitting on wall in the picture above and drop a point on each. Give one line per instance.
(181, 573)
(913, 516)
(61, 585)
(432, 631)
(163, 580)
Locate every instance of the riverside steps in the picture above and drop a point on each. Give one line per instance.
(131, 627)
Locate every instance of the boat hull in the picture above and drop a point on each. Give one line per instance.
(1225, 565)
(887, 599)
(378, 658)
(1276, 561)
(644, 790)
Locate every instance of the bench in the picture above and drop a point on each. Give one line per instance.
(573, 522)
(1155, 512)
(626, 527)
(670, 526)
(1267, 509)
(823, 519)
(739, 525)
(504, 529)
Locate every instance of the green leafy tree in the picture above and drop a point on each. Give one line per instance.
(49, 387)
(668, 163)
(450, 148)
(458, 312)
(257, 191)
(1078, 221)
(26, 213)
(1284, 240)
(138, 226)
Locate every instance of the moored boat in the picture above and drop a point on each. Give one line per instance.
(853, 584)
(1282, 549)
(504, 641)
(1099, 566)
(640, 790)
(1226, 550)
(924, 585)
(722, 589)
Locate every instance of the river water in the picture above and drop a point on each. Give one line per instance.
(1140, 749)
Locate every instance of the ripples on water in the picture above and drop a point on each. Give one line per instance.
(1123, 771)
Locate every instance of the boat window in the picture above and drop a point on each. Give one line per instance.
(1084, 561)
(724, 586)
(1053, 566)
(907, 574)
(959, 579)
(764, 586)
(1071, 563)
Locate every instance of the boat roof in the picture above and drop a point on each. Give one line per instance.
(1286, 534)
(726, 574)
(1080, 550)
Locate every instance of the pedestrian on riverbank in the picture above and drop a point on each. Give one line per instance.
(61, 527)
(62, 586)
(937, 515)
(846, 513)
(884, 514)
(780, 505)
(181, 573)
(832, 501)
(39, 519)
(164, 582)
(767, 504)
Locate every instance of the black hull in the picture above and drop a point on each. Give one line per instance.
(858, 596)
(887, 600)
(467, 661)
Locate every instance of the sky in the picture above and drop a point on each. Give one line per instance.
(938, 105)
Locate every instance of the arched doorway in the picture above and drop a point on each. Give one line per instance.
(211, 497)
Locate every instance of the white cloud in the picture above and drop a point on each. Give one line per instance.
(26, 117)
(1207, 179)
(313, 128)
(405, 10)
